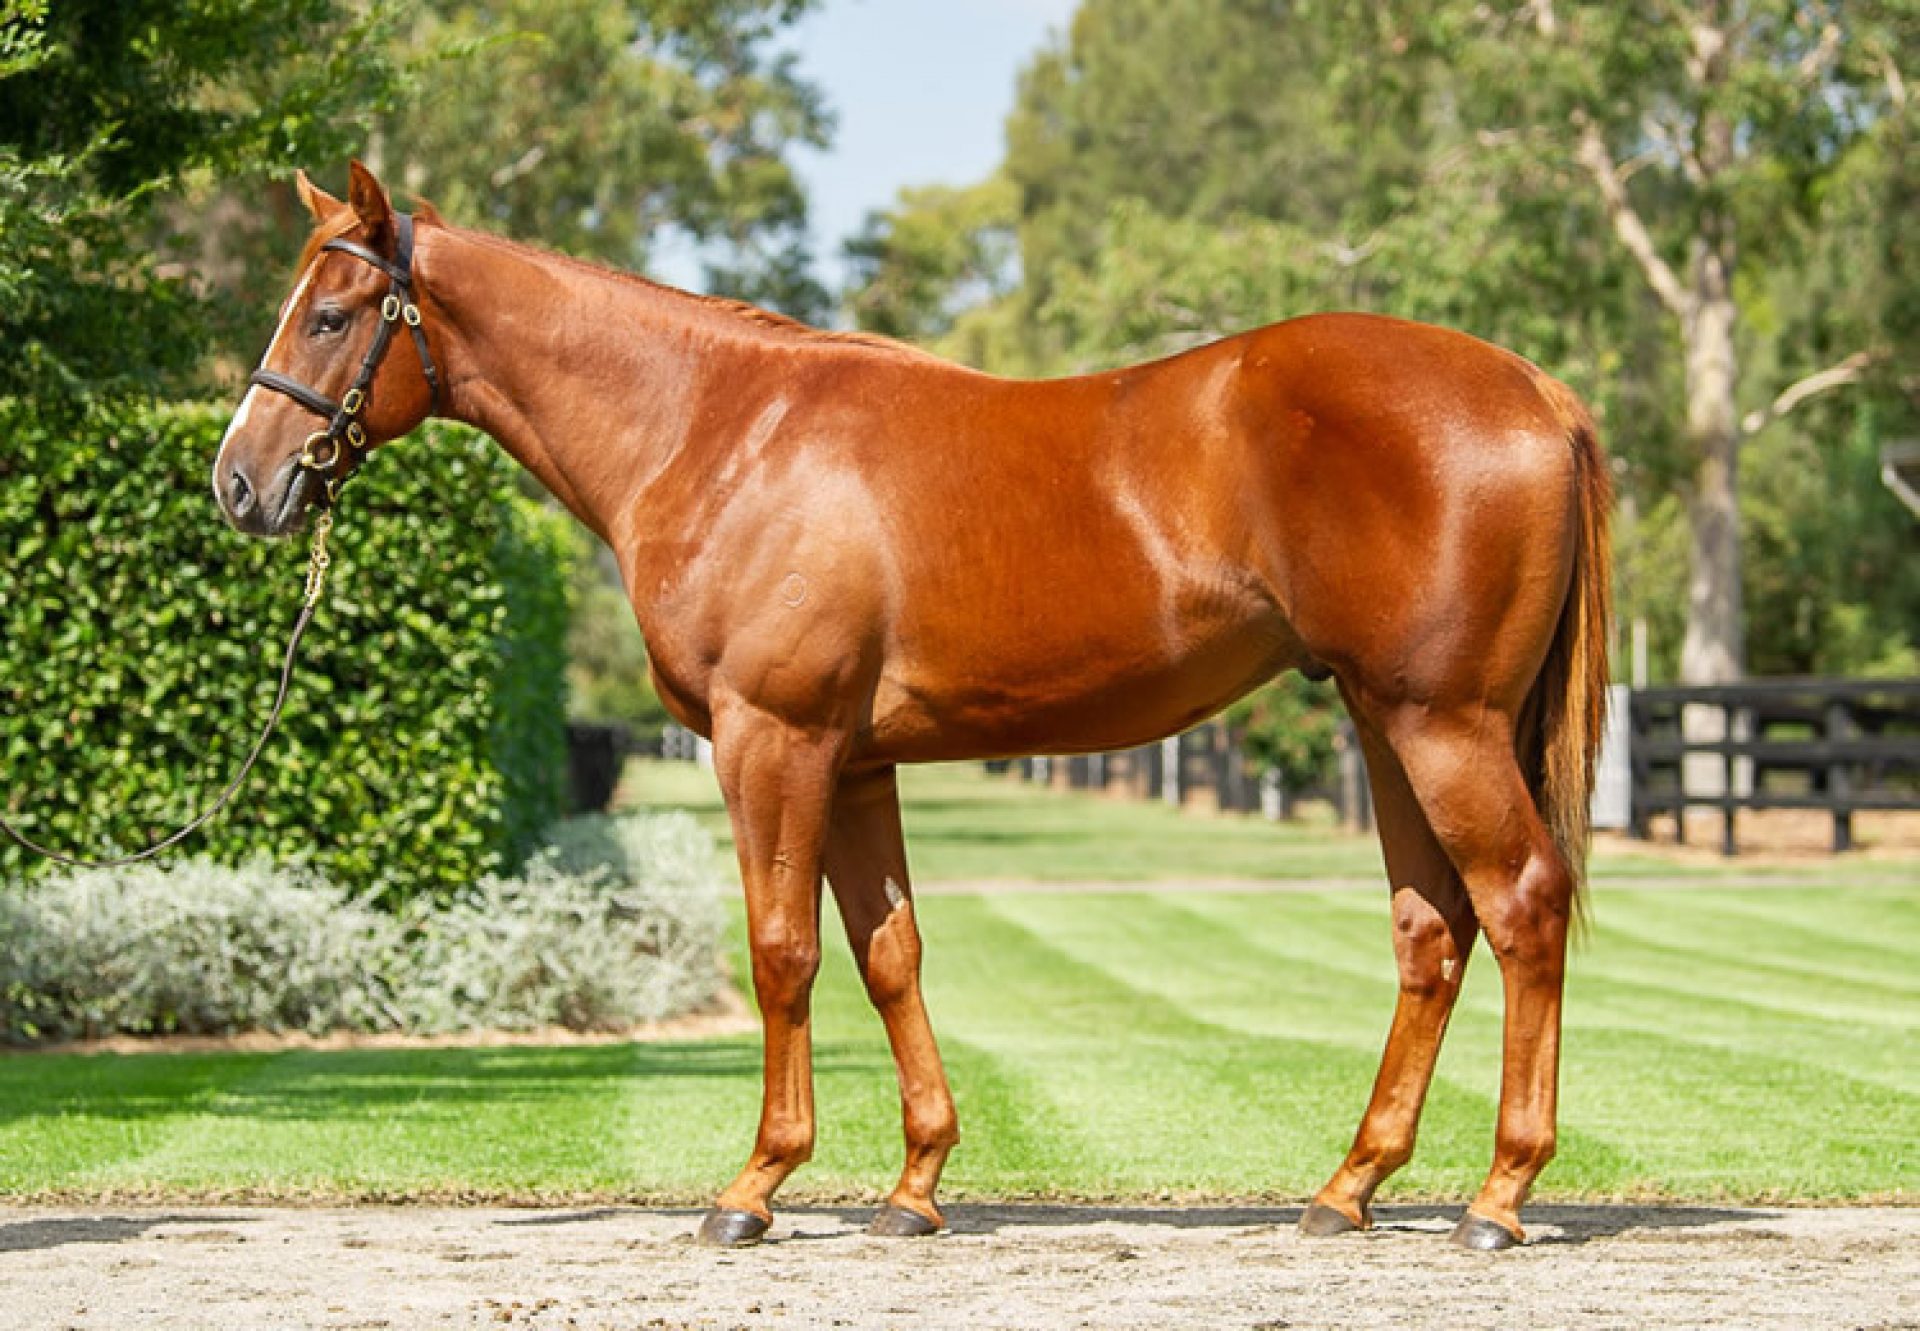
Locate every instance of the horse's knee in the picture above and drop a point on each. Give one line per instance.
(784, 965)
(1427, 951)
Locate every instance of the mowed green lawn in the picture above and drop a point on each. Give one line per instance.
(1724, 1041)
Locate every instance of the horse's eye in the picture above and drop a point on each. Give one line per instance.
(329, 321)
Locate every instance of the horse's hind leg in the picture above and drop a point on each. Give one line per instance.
(1433, 929)
(867, 867)
(778, 782)
(1462, 767)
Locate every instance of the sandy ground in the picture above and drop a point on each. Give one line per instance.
(1001, 1266)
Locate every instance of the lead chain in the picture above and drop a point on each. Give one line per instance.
(318, 560)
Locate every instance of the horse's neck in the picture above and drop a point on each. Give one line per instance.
(587, 378)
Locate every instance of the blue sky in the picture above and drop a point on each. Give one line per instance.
(920, 90)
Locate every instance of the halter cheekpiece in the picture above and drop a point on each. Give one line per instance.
(326, 449)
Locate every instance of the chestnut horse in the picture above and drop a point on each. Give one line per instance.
(846, 555)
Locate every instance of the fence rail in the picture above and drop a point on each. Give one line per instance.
(1842, 746)
(1206, 762)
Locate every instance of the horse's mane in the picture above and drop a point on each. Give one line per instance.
(739, 309)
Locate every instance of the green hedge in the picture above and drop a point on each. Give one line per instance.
(424, 742)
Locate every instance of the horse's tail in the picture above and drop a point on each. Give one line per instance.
(1568, 705)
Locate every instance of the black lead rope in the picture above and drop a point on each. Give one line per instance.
(317, 564)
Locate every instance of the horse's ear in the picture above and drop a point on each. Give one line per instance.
(320, 203)
(370, 204)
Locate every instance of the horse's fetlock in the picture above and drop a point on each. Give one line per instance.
(786, 1148)
(1527, 1152)
(933, 1127)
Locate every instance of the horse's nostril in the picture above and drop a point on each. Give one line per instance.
(240, 493)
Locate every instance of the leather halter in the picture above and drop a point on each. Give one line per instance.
(345, 434)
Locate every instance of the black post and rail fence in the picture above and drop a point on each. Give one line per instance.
(1840, 746)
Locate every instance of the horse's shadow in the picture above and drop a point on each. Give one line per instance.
(43, 1232)
(1547, 1224)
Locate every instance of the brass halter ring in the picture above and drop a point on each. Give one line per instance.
(313, 461)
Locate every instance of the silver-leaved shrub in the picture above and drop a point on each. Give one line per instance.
(618, 922)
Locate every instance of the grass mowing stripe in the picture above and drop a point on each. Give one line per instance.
(1606, 1027)
(1884, 947)
(1155, 945)
(1168, 1101)
(1690, 1121)
(1787, 991)
(1595, 999)
(1695, 921)
(1104, 1059)
(1172, 952)
(1334, 931)
(367, 1121)
(1457, 1127)
(1015, 1138)
(69, 1118)
(1605, 987)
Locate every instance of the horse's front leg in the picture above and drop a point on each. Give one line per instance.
(778, 782)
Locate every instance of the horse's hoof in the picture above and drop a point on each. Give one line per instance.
(1320, 1221)
(897, 1222)
(1483, 1235)
(725, 1228)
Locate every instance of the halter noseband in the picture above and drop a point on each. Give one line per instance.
(344, 431)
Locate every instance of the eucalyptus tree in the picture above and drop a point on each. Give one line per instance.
(1711, 131)
(607, 127)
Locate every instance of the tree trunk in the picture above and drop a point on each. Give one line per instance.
(1714, 649)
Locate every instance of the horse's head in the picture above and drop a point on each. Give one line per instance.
(337, 380)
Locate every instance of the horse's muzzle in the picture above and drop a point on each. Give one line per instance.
(275, 508)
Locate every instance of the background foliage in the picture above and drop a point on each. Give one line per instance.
(107, 111)
(423, 744)
(1179, 170)
(599, 127)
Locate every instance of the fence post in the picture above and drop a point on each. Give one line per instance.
(1170, 773)
(1356, 805)
(1728, 790)
(1638, 732)
(1840, 728)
